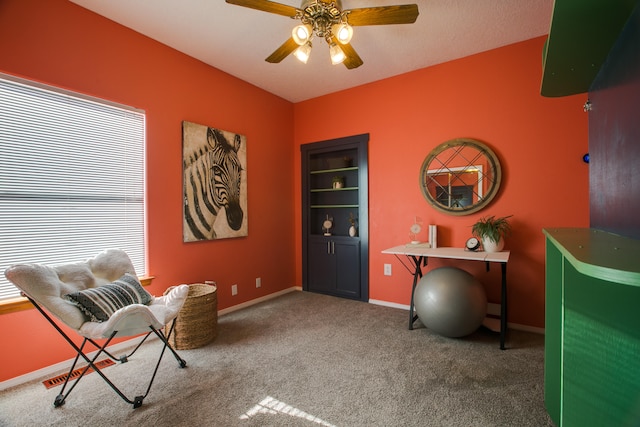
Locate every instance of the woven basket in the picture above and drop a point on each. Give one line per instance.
(197, 321)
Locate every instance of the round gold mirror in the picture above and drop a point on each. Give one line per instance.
(460, 176)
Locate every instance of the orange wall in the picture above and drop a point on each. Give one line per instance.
(493, 97)
(59, 43)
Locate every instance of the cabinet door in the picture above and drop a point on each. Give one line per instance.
(321, 266)
(553, 334)
(601, 343)
(347, 258)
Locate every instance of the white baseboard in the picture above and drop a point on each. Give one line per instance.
(257, 300)
(389, 304)
(62, 367)
(58, 368)
(526, 328)
(492, 309)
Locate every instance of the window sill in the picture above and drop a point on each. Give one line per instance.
(13, 305)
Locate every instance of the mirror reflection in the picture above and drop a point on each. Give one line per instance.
(460, 176)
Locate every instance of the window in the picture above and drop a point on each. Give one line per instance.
(71, 178)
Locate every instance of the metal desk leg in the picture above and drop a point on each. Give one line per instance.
(503, 306)
(417, 275)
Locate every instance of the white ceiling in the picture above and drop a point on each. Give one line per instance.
(236, 39)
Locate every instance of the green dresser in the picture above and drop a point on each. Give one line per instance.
(592, 328)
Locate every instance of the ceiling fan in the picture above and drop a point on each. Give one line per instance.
(327, 20)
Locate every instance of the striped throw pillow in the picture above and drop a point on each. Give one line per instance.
(99, 303)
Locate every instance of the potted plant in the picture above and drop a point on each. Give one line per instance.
(338, 181)
(491, 231)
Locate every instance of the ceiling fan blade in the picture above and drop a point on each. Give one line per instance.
(383, 15)
(283, 51)
(352, 59)
(266, 6)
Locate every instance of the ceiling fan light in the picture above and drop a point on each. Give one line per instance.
(303, 52)
(337, 55)
(343, 32)
(301, 33)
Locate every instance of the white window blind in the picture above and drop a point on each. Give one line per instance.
(71, 178)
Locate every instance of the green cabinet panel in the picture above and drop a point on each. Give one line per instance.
(553, 336)
(592, 330)
(601, 357)
(582, 33)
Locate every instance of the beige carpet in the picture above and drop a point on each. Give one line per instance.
(306, 359)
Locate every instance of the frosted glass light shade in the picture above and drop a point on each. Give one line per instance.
(303, 53)
(301, 33)
(337, 55)
(343, 32)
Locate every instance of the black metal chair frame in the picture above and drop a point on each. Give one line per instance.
(102, 349)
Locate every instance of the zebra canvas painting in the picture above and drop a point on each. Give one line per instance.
(214, 183)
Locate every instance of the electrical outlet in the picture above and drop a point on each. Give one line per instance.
(387, 269)
(234, 289)
(258, 282)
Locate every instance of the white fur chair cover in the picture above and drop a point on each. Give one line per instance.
(47, 285)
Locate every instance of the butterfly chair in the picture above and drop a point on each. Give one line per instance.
(100, 299)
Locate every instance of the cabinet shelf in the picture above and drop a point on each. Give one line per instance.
(351, 168)
(319, 190)
(332, 206)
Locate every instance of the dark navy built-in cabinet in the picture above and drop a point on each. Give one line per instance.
(335, 198)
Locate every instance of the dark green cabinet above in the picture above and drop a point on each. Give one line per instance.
(582, 33)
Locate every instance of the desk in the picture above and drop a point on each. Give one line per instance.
(420, 255)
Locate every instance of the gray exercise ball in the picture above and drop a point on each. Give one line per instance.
(450, 301)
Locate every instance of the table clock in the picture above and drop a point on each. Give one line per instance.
(472, 244)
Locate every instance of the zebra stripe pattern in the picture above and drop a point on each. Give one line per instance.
(212, 178)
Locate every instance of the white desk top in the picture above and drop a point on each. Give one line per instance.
(452, 253)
